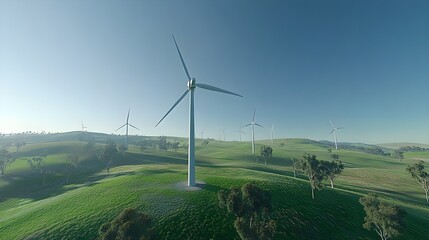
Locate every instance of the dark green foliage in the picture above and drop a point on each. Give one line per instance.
(386, 219)
(107, 154)
(72, 163)
(38, 165)
(128, 225)
(162, 143)
(335, 156)
(175, 146)
(413, 149)
(19, 145)
(331, 170)
(5, 160)
(314, 171)
(296, 166)
(419, 173)
(251, 206)
(147, 143)
(266, 153)
(122, 148)
(398, 154)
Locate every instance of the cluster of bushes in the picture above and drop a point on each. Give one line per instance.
(161, 143)
(413, 149)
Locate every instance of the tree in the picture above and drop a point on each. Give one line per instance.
(19, 145)
(122, 148)
(162, 143)
(387, 220)
(332, 170)
(130, 225)
(108, 154)
(175, 146)
(266, 153)
(314, 171)
(335, 156)
(296, 166)
(72, 163)
(5, 160)
(419, 173)
(398, 154)
(251, 206)
(39, 166)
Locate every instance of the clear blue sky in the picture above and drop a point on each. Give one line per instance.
(364, 64)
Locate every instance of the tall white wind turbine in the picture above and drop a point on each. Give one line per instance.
(83, 127)
(126, 131)
(334, 131)
(272, 133)
(191, 86)
(253, 124)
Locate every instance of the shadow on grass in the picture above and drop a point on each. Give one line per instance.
(28, 184)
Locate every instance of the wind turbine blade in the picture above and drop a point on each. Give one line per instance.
(331, 124)
(181, 59)
(121, 127)
(128, 116)
(340, 128)
(254, 112)
(216, 89)
(243, 133)
(246, 125)
(177, 102)
(333, 130)
(259, 125)
(133, 126)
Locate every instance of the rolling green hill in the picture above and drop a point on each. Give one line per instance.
(153, 181)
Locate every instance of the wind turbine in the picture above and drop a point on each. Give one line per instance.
(241, 132)
(202, 134)
(334, 131)
(272, 133)
(253, 124)
(191, 85)
(223, 132)
(83, 127)
(127, 124)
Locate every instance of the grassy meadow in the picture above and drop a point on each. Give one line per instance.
(153, 182)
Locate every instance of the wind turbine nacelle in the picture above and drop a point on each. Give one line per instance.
(191, 83)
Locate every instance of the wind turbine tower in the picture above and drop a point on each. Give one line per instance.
(253, 124)
(272, 133)
(83, 127)
(126, 124)
(191, 86)
(334, 131)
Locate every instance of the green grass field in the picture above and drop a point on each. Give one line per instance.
(152, 181)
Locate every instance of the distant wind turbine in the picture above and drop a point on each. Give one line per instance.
(126, 131)
(202, 134)
(253, 124)
(272, 133)
(223, 132)
(334, 131)
(83, 127)
(240, 131)
(191, 85)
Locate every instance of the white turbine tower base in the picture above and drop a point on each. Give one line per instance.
(334, 131)
(253, 124)
(191, 85)
(126, 129)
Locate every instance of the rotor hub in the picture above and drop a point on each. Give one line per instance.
(191, 84)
